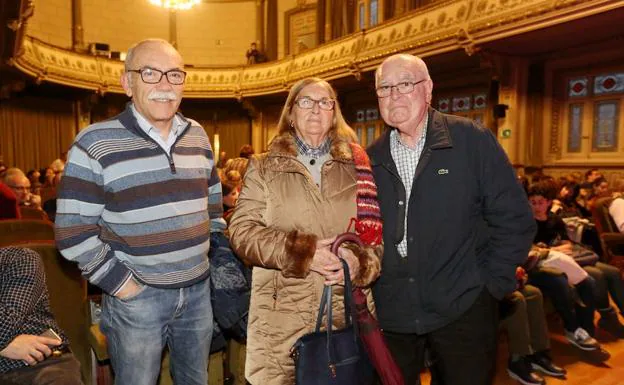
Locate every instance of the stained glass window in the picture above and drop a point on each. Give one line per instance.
(604, 136)
(373, 13)
(444, 105)
(360, 132)
(609, 83)
(480, 101)
(577, 87)
(362, 12)
(461, 104)
(370, 135)
(575, 128)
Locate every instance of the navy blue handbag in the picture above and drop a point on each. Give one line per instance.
(334, 357)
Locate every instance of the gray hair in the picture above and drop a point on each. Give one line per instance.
(417, 62)
(12, 173)
(132, 50)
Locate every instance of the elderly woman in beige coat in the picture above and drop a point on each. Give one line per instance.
(295, 200)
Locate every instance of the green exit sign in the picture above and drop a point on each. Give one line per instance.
(506, 133)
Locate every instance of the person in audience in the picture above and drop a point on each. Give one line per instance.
(616, 208)
(33, 177)
(552, 233)
(591, 175)
(246, 151)
(29, 352)
(46, 177)
(527, 334)
(19, 183)
(456, 225)
(136, 208)
(295, 200)
(9, 206)
(3, 169)
(239, 165)
(252, 54)
(231, 191)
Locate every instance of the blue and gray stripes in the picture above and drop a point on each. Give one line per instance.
(125, 207)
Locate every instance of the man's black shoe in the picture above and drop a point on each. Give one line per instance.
(542, 362)
(520, 370)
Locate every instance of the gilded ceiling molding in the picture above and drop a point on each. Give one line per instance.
(448, 26)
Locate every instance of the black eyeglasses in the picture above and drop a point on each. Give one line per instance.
(308, 103)
(153, 76)
(403, 88)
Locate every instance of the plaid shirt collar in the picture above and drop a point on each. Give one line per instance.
(395, 138)
(313, 152)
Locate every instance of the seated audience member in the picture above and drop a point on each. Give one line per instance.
(236, 164)
(529, 343)
(9, 207)
(565, 204)
(591, 175)
(19, 183)
(230, 196)
(583, 199)
(47, 177)
(26, 355)
(3, 169)
(246, 151)
(57, 166)
(33, 176)
(551, 232)
(252, 54)
(616, 209)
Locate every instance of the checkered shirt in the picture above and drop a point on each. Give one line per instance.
(24, 304)
(406, 160)
(314, 152)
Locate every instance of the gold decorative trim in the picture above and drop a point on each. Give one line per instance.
(460, 24)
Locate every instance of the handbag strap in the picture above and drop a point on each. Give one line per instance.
(349, 308)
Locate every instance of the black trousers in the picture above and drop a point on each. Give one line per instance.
(463, 352)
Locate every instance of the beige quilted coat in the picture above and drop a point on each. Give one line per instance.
(278, 218)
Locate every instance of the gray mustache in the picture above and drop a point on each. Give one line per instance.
(162, 95)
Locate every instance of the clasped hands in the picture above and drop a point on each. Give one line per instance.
(328, 264)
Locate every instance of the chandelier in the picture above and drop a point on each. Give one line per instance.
(175, 4)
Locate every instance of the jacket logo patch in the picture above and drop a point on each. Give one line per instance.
(443, 171)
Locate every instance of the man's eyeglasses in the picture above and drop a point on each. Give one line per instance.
(308, 103)
(153, 76)
(403, 88)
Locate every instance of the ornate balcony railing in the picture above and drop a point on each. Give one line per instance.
(444, 27)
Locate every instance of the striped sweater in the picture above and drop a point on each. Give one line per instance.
(127, 208)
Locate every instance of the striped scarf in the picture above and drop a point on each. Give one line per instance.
(368, 225)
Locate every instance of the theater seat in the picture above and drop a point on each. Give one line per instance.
(18, 231)
(68, 300)
(611, 239)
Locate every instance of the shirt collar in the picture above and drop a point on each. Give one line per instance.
(396, 137)
(313, 152)
(176, 125)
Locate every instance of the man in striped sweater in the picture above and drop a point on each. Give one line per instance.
(136, 206)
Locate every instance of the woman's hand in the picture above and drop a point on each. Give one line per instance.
(337, 275)
(324, 261)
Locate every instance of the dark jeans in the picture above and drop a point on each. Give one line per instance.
(63, 370)
(464, 351)
(556, 287)
(608, 281)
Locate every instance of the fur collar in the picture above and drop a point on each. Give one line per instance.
(284, 145)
